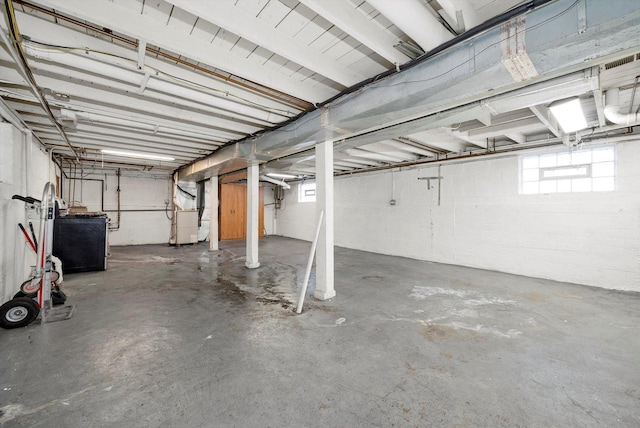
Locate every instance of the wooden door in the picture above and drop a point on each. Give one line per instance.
(232, 215)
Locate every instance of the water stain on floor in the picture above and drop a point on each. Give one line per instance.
(442, 333)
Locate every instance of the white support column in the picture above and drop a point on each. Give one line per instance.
(213, 213)
(253, 195)
(324, 202)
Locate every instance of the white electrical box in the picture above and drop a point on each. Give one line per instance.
(186, 227)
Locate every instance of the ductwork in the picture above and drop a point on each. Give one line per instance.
(612, 110)
(415, 21)
(448, 87)
(134, 77)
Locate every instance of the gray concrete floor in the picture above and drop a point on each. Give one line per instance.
(180, 337)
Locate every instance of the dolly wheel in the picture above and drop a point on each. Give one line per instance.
(55, 276)
(18, 312)
(30, 286)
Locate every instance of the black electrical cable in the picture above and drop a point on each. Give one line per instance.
(485, 26)
(185, 192)
(488, 24)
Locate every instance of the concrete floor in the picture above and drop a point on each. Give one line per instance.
(180, 337)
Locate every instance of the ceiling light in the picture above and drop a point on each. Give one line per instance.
(278, 175)
(136, 155)
(569, 115)
(411, 50)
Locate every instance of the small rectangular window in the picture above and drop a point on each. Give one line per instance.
(565, 172)
(307, 192)
(585, 170)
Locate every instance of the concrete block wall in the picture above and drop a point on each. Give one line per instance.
(24, 170)
(269, 210)
(482, 221)
(145, 218)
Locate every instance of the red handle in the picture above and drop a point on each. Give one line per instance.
(26, 235)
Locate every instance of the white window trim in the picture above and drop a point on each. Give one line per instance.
(521, 169)
(587, 173)
(303, 196)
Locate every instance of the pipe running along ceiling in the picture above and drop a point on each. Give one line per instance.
(264, 81)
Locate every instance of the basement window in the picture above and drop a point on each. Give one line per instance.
(586, 170)
(307, 192)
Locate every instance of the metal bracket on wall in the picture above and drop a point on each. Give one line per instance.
(429, 180)
(582, 16)
(439, 177)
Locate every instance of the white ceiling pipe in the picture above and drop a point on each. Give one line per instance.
(409, 148)
(136, 78)
(370, 155)
(612, 110)
(274, 181)
(415, 21)
(11, 116)
(350, 164)
(93, 117)
(344, 157)
(469, 15)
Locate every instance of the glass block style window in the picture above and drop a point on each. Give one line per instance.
(307, 192)
(585, 170)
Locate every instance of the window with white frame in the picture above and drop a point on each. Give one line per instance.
(307, 192)
(584, 170)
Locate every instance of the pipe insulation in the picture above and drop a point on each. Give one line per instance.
(142, 78)
(74, 115)
(276, 182)
(415, 21)
(449, 84)
(612, 110)
(469, 15)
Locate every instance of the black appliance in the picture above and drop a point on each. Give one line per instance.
(80, 242)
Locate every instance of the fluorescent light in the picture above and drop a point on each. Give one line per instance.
(409, 49)
(278, 175)
(136, 155)
(569, 115)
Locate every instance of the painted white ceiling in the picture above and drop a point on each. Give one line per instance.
(182, 78)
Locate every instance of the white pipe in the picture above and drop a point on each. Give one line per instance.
(415, 21)
(612, 110)
(100, 118)
(92, 65)
(11, 116)
(28, 138)
(371, 155)
(409, 148)
(307, 273)
(469, 15)
(23, 69)
(274, 181)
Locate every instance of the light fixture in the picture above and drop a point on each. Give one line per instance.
(278, 175)
(136, 155)
(411, 50)
(569, 115)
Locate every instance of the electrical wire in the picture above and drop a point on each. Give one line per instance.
(58, 48)
(348, 96)
(16, 40)
(471, 59)
(192, 196)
